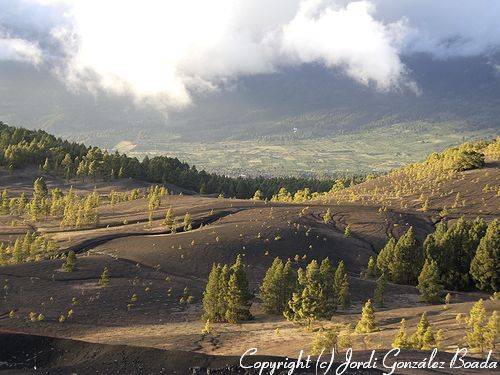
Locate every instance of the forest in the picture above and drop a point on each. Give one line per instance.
(20, 148)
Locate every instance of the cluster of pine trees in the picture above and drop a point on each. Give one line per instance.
(424, 337)
(79, 211)
(455, 256)
(28, 248)
(304, 195)
(73, 210)
(305, 295)
(227, 297)
(21, 147)
(118, 196)
(153, 198)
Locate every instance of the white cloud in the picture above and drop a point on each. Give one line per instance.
(347, 37)
(162, 51)
(19, 50)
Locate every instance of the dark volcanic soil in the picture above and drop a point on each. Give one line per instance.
(29, 354)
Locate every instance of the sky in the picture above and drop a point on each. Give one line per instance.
(161, 52)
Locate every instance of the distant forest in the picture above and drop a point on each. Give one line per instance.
(21, 148)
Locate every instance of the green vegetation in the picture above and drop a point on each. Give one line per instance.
(402, 340)
(404, 260)
(367, 322)
(319, 290)
(69, 264)
(28, 248)
(452, 247)
(104, 279)
(278, 286)
(21, 147)
(429, 284)
(484, 265)
(423, 338)
(72, 210)
(362, 151)
(481, 332)
(380, 289)
(420, 179)
(454, 256)
(227, 297)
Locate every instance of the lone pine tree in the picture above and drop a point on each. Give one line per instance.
(186, 223)
(70, 262)
(401, 340)
(367, 322)
(104, 279)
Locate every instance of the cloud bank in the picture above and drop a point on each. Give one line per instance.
(163, 51)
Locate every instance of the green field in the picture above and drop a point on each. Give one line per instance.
(370, 150)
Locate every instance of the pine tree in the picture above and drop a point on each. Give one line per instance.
(347, 231)
(385, 256)
(484, 266)
(407, 260)
(428, 340)
(417, 339)
(371, 268)
(429, 284)
(211, 294)
(344, 297)
(475, 330)
(327, 217)
(292, 310)
(401, 340)
(169, 220)
(257, 196)
(104, 279)
(338, 280)
(312, 298)
(70, 262)
(380, 289)
(328, 295)
(308, 304)
(238, 295)
(17, 252)
(270, 290)
(186, 223)
(40, 188)
(277, 286)
(367, 322)
(222, 294)
(3, 255)
(207, 328)
(4, 202)
(491, 331)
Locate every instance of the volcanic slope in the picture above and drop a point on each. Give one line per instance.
(167, 272)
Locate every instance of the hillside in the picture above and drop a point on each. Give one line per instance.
(158, 265)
